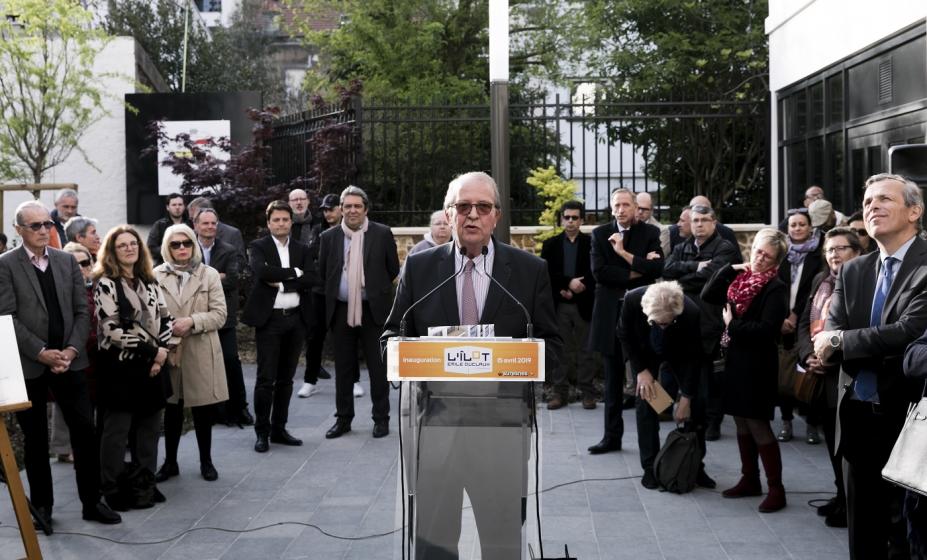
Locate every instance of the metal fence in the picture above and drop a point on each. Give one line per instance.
(406, 154)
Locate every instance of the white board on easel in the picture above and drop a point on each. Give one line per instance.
(12, 382)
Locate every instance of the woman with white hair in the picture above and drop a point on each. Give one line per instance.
(439, 234)
(194, 296)
(756, 302)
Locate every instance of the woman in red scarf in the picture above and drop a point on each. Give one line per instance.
(755, 303)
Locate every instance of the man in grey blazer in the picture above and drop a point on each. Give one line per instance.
(43, 289)
(878, 308)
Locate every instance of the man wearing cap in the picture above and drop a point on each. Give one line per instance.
(822, 214)
(331, 212)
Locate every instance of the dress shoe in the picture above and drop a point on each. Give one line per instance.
(649, 481)
(157, 497)
(554, 402)
(101, 513)
(837, 518)
(284, 437)
(713, 432)
(65, 458)
(261, 445)
(702, 479)
(812, 436)
(245, 418)
(307, 390)
(785, 434)
(589, 403)
(607, 444)
(358, 390)
(43, 519)
(339, 429)
(323, 374)
(117, 502)
(830, 507)
(167, 470)
(208, 471)
(380, 429)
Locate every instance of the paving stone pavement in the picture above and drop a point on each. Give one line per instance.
(348, 487)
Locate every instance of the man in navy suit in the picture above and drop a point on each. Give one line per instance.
(626, 254)
(280, 310)
(463, 435)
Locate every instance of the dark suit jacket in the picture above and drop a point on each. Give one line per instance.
(225, 258)
(21, 296)
(682, 346)
(520, 272)
(265, 267)
(381, 266)
(682, 266)
(879, 349)
(613, 277)
(232, 236)
(552, 252)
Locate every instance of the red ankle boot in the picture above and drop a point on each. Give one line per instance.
(749, 483)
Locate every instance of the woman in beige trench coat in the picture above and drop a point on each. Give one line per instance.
(193, 293)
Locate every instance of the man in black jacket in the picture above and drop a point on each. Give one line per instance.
(572, 284)
(224, 258)
(280, 310)
(659, 328)
(625, 255)
(692, 263)
(176, 214)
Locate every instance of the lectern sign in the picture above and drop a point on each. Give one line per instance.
(465, 359)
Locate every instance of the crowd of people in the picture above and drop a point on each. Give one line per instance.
(124, 334)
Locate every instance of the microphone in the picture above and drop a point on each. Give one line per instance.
(402, 322)
(529, 328)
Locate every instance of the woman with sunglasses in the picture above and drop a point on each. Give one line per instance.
(194, 296)
(801, 265)
(755, 303)
(133, 335)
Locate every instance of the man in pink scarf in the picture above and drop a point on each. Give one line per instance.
(359, 263)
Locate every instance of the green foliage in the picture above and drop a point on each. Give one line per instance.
(237, 58)
(671, 50)
(554, 190)
(49, 94)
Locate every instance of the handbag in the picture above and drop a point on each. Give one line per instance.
(905, 466)
(788, 358)
(808, 387)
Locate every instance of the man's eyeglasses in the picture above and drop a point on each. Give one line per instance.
(178, 244)
(36, 226)
(661, 324)
(83, 263)
(482, 208)
(837, 249)
(572, 218)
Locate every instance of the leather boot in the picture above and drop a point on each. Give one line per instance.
(749, 483)
(772, 464)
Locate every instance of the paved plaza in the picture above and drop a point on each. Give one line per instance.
(277, 505)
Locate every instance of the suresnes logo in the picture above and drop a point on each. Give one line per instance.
(468, 360)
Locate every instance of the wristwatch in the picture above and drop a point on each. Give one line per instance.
(836, 341)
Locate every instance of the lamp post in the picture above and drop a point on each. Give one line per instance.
(499, 109)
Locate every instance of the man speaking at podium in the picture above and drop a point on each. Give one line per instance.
(459, 447)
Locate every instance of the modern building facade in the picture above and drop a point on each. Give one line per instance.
(848, 80)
